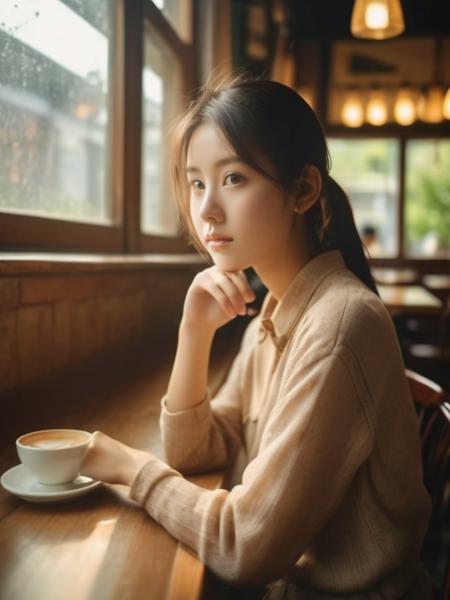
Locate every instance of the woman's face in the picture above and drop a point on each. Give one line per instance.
(250, 217)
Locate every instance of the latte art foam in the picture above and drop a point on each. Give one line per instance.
(53, 444)
(56, 439)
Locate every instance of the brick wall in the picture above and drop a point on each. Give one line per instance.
(51, 321)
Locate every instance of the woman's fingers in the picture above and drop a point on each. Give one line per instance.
(234, 291)
(241, 282)
(221, 297)
(230, 291)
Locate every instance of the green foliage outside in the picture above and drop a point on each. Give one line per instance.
(356, 160)
(427, 207)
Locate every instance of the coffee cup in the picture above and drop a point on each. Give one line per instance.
(54, 456)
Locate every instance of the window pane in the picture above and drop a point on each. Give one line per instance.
(161, 103)
(54, 108)
(427, 199)
(368, 172)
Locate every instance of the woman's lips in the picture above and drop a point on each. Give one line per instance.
(218, 243)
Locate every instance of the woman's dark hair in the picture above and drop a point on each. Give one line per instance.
(262, 118)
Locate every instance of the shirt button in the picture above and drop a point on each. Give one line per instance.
(268, 324)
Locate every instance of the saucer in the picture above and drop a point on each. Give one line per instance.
(20, 482)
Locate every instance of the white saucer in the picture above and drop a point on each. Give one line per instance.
(20, 482)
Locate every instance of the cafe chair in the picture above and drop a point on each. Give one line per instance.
(431, 356)
(433, 411)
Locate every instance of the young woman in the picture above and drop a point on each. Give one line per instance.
(315, 423)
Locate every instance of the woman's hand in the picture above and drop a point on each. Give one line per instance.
(216, 297)
(111, 461)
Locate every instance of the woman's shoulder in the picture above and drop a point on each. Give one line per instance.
(357, 303)
(344, 312)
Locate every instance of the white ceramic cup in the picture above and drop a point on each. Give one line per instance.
(54, 456)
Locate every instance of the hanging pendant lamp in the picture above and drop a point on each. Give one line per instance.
(377, 19)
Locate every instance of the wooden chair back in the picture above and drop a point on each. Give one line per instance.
(433, 410)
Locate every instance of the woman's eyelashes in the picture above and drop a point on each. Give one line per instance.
(234, 178)
(229, 179)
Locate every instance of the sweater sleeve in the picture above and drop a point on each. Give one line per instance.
(315, 440)
(207, 436)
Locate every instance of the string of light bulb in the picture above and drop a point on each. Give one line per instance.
(403, 105)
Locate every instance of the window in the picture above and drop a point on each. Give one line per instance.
(88, 91)
(368, 170)
(54, 107)
(427, 199)
(161, 89)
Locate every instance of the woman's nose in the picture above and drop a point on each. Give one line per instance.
(210, 208)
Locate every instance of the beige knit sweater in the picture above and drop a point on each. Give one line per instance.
(318, 426)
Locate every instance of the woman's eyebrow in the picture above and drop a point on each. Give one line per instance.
(219, 163)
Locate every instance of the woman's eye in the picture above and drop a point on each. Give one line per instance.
(196, 184)
(234, 178)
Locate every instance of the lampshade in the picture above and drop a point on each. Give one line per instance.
(446, 105)
(352, 113)
(377, 19)
(376, 111)
(404, 108)
(430, 105)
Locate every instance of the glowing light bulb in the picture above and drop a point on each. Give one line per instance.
(376, 15)
(352, 114)
(404, 107)
(376, 113)
(430, 105)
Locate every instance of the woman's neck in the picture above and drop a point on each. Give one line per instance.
(278, 271)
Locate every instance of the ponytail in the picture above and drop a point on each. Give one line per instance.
(339, 232)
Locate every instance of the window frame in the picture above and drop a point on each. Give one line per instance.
(184, 53)
(38, 233)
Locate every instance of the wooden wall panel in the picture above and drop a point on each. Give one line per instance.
(50, 322)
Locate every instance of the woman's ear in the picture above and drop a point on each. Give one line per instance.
(308, 189)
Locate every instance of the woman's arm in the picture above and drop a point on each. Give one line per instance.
(207, 436)
(189, 378)
(195, 437)
(214, 298)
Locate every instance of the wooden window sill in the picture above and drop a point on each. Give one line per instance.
(14, 263)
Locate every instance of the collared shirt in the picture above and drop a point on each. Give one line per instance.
(318, 428)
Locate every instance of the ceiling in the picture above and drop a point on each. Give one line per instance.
(331, 18)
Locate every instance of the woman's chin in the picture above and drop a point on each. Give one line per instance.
(228, 263)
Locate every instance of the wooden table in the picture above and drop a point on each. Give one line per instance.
(438, 282)
(395, 276)
(409, 298)
(102, 545)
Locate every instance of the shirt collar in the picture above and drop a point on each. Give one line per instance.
(278, 318)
